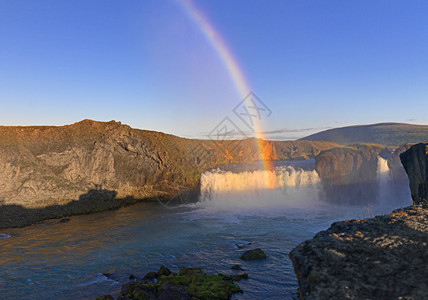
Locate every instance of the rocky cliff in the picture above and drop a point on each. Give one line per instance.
(349, 174)
(46, 166)
(415, 162)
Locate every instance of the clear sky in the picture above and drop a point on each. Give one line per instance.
(315, 64)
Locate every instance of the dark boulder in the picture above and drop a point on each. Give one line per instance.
(254, 254)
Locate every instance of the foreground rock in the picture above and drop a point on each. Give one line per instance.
(380, 258)
(415, 162)
(189, 283)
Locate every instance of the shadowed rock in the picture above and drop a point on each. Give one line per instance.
(415, 162)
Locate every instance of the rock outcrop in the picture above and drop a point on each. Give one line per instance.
(380, 258)
(415, 162)
(47, 166)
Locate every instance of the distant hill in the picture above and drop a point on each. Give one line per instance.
(389, 134)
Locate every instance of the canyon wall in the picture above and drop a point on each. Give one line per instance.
(350, 174)
(47, 165)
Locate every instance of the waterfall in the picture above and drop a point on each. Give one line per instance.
(393, 190)
(228, 189)
(297, 186)
(384, 180)
(382, 166)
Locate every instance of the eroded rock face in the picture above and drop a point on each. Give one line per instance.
(42, 166)
(415, 162)
(380, 258)
(349, 174)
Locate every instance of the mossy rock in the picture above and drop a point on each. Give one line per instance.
(190, 283)
(254, 254)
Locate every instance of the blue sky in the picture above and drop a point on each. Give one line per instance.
(315, 64)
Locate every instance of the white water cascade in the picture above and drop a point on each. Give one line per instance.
(384, 180)
(393, 190)
(260, 189)
(294, 186)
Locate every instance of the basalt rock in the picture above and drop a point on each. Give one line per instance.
(350, 174)
(415, 162)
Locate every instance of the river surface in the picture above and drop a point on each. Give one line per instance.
(67, 260)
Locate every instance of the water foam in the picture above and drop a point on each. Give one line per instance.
(393, 190)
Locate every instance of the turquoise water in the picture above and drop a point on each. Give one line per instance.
(67, 260)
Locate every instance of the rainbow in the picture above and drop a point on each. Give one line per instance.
(236, 75)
